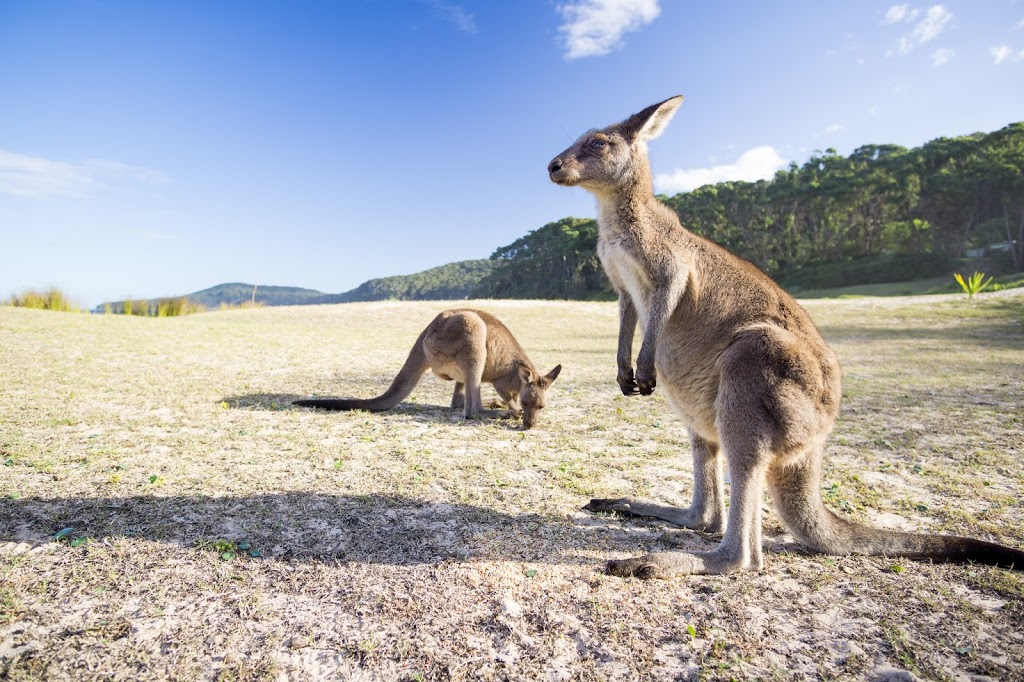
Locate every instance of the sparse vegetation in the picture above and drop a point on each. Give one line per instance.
(414, 545)
(51, 299)
(160, 307)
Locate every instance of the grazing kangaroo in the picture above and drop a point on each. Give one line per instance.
(740, 362)
(470, 347)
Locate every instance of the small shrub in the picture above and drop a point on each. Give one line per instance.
(180, 305)
(51, 299)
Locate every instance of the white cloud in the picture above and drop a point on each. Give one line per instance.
(834, 128)
(595, 27)
(935, 20)
(1002, 53)
(942, 56)
(36, 177)
(457, 16)
(900, 13)
(759, 163)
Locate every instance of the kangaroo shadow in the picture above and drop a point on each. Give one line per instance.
(316, 527)
(417, 412)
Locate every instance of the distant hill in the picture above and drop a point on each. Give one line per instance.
(446, 282)
(237, 293)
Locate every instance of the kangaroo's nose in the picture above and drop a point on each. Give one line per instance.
(554, 165)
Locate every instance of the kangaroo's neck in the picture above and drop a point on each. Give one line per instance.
(628, 206)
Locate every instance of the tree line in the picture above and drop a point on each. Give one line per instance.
(882, 213)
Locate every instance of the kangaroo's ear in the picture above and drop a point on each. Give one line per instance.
(525, 374)
(650, 122)
(552, 375)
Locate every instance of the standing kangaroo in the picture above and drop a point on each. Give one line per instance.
(470, 347)
(741, 363)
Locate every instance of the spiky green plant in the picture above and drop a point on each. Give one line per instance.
(974, 284)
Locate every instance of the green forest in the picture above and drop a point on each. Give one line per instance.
(884, 213)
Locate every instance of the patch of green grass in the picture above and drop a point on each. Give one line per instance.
(913, 288)
(10, 605)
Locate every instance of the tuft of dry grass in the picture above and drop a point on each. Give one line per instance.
(206, 529)
(174, 306)
(51, 299)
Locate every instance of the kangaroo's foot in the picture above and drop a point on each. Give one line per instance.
(671, 564)
(706, 520)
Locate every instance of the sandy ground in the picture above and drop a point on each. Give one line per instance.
(209, 531)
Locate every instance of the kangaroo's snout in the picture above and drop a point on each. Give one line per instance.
(560, 174)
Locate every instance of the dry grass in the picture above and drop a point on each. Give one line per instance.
(413, 545)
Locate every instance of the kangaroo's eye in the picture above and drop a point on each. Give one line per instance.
(598, 144)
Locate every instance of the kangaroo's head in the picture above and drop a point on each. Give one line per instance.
(531, 392)
(609, 159)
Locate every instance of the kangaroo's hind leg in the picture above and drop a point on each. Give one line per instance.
(759, 411)
(471, 358)
(708, 509)
(459, 396)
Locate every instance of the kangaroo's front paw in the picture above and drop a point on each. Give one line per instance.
(626, 381)
(646, 379)
(638, 567)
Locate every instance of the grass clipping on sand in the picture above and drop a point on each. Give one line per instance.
(166, 513)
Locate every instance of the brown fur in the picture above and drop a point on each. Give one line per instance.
(469, 347)
(741, 363)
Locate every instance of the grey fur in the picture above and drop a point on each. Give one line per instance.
(741, 363)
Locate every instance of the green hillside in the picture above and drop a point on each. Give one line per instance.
(452, 281)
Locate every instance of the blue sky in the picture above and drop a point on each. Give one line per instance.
(157, 148)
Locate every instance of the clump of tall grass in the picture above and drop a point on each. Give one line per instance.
(161, 307)
(51, 299)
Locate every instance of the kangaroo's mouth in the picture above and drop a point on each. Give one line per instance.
(561, 177)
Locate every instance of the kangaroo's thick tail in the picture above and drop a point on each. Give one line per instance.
(797, 496)
(410, 374)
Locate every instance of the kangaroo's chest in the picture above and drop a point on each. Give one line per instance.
(626, 273)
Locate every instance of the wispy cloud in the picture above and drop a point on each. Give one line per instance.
(833, 128)
(1002, 53)
(36, 177)
(1020, 25)
(595, 27)
(759, 163)
(936, 19)
(457, 16)
(942, 56)
(899, 13)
